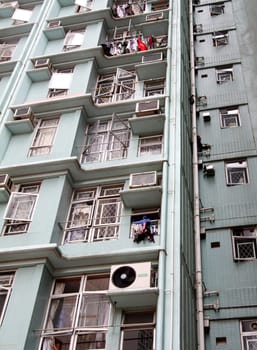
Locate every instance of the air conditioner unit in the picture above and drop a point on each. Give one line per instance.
(13, 4)
(208, 170)
(54, 24)
(5, 182)
(206, 117)
(43, 63)
(23, 113)
(130, 276)
(154, 16)
(147, 108)
(153, 57)
(143, 179)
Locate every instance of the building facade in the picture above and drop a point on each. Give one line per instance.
(225, 66)
(96, 197)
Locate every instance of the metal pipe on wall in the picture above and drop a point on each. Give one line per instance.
(198, 260)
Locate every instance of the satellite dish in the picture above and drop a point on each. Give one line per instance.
(123, 277)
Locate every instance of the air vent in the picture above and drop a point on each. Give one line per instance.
(147, 108)
(54, 24)
(5, 182)
(153, 57)
(43, 63)
(23, 113)
(143, 179)
(206, 117)
(154, 16)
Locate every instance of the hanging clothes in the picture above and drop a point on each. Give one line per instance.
(144, 231)
(141, 45)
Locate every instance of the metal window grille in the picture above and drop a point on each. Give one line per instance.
(229, 118)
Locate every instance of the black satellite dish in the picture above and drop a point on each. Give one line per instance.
(123, 277)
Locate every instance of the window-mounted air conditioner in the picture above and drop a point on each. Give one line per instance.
(208, 170)
(43, 63)
(54, 24)
(5, 183)
(147, 108)
(130, 276)
(152, 57)
(23, 113)
(206, 117)
(143, 179)
(154, 16)
(13, 4)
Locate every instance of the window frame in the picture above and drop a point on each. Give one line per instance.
(217, 9)
(70, 37)
(137, 326)
(242, 166)
(95, 229)
(158, 144)
(248, 334)
(15, 226)
(243, 236)
(114, 136)
(224, 74)
(38, 142)
(6, 289)
(230, 112)
(77, 289)
(220, 38)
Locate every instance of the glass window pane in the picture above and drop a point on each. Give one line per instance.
(91, 341)
(61, 313)
(97, 283)
(94, 311)
(140, 339)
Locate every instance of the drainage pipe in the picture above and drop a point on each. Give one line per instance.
(198, 262)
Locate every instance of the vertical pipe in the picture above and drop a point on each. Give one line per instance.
(198, 262)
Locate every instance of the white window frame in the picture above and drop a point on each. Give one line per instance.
(60, 82)
(139, 326)
(73, 40)
(244, 241)
(217, 9)
(74, 319)
(7, 50)
(84, 5)
(248, 333)
(239, 166)
(44, 136)
(220, 38)
(17, 225)
(229, 117)
(92, 203)
(6, 282)
(224, 75)
(21, 16)
(154, 87)
(106, 140)
(115, 87)
(150, 144)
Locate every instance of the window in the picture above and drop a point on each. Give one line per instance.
(244, 243)
(21, 16)
(137, 226)
(73, 40)
(84, 5)
(138, 330)
(229, 117)
(224, 74)
(154, 87)
(249, 334)
(94, 215)
(150, 145)
(43, 140)
(220, 38)
(106, 140)
(237, 173)
(78, 314)
(217, 9)
(6, 281)
(123, 8)
(60, 82)
(20, 209)
(7, 50)
(115, 87)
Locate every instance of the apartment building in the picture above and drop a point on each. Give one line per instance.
(225, 66)
(96, 191)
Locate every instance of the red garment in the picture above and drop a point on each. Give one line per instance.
(150, 41)
(141, 45)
